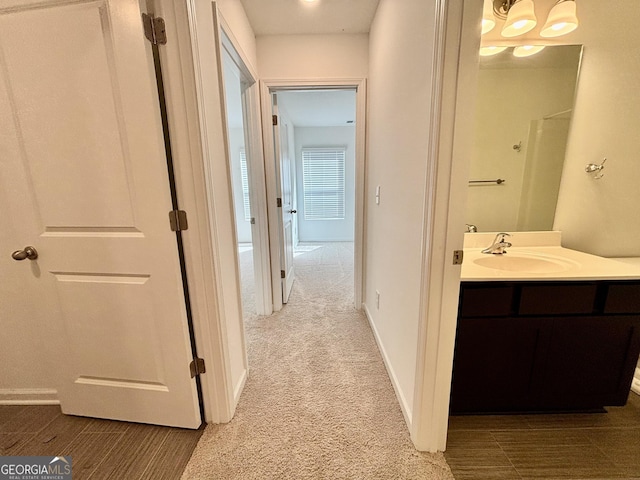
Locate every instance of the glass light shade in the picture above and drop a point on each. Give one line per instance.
(520, 19)
(488, 20)
(491, 50)
(527, 50)
(562, 19)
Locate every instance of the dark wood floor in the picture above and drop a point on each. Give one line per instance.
(100, 449)
(558, 446)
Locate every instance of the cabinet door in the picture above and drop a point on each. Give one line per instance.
(495, 364)
(590, 362)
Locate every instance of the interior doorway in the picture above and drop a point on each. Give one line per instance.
(314, 162)
(316, 136)
(255, 295)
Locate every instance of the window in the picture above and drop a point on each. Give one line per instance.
(323, 183)
(245, 185)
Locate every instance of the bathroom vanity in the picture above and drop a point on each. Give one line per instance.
(543, 328)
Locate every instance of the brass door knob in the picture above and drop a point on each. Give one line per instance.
(28, 252)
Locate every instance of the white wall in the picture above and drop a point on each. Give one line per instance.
(399, 108)
(508, 100)
(285, 57)
(600, 216)
(324, 137)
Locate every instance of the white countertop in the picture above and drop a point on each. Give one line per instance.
(539, 256)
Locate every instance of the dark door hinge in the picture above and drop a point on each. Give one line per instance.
(178, 220)
(279, 202)
(274, 119)
(154, 29)
(197, 367)
(282, 274)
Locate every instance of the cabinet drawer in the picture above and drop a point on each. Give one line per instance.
(623, 298)
(486, 301)
(557, 299)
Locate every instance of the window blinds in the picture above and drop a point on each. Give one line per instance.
(245, 185)
(323, 183)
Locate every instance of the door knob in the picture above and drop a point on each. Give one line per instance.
(293, 211)
(28, 252)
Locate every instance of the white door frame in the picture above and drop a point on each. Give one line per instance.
(267, 87)
(192, 68)
(451, 146)
(253, 147)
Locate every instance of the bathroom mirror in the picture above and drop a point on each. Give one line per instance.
(523, 117)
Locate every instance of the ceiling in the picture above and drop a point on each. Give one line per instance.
(286, 17)
(319, 108)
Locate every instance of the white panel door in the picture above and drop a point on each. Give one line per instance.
(83, 165)
(285, 192)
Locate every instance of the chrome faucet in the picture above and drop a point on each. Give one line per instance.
(499, 244)
(471, 228)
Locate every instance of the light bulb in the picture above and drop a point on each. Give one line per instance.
(527, 50)
(491, 50)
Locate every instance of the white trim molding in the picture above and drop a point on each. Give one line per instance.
(404, 405)
(29, 396)
(456, 42)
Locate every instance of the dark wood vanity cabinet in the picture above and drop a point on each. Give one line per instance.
(545, 346)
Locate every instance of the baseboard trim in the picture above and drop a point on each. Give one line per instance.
(406, 411)
(29, 396)
(239, 388)
(635, 385)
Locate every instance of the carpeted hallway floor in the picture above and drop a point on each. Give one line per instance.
(318, 403)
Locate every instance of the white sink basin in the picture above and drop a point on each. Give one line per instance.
(526, 263)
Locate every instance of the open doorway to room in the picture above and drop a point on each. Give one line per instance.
(254, 296)
(316, 151)
(315, 155)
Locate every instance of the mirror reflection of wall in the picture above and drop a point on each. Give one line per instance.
(524, 110)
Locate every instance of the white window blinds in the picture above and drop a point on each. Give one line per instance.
(323, 183)
(245, 185)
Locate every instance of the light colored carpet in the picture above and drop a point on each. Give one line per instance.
(318, 403)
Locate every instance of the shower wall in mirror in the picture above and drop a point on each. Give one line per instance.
(523, 119)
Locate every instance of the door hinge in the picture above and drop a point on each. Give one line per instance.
(178, 220)
(279, 201)
(282, 274)
(197, 367)
(274, 119)
(154, 29)
(458, 255)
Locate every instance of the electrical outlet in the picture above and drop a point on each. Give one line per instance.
(377, 300)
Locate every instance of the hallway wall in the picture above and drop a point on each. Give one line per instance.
(285, 57)
(399, 107)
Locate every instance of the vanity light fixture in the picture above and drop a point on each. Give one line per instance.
(527, 50)
(519, 17)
